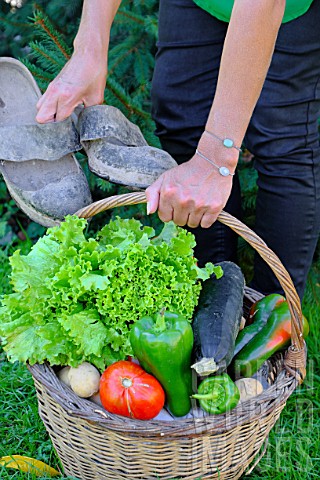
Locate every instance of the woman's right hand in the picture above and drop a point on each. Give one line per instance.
(81, 81)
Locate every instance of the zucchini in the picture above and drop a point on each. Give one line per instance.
(217, 320)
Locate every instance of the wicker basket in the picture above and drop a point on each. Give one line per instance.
(95, 445)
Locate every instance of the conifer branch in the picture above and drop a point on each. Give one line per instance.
(125, 100)
(135, 18)
(38, 8)
(135, 47)
(38, 73)
(44, 54)
(14, 24)
(120, 59)
(45, 25)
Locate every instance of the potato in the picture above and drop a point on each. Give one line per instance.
(96, 399)
(248, 388)
(63, 375)
(84, 380)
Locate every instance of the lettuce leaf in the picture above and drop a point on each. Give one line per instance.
(74, 298)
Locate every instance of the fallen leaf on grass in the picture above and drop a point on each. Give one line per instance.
(28, 465)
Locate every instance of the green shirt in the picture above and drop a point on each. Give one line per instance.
(222, 8)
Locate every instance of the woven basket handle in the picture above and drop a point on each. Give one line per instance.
(295, 360)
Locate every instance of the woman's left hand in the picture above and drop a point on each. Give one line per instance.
(192, 194)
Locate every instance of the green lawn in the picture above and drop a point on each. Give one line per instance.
(294, 447)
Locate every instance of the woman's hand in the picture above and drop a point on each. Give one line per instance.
(192, 194)
(83, 78)
(81, 81)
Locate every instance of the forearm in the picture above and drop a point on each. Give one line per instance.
(245, 60)
(94, 30)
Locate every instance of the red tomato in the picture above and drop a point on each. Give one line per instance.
(126, 389)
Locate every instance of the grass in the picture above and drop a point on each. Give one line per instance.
(294, 445)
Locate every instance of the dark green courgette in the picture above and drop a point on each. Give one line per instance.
(217, 319)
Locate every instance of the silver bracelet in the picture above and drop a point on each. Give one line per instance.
(226, 142)
(224, 171)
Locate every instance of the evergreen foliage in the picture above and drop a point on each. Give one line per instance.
(16, 30)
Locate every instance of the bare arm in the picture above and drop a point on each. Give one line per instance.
(83, 78)
(194, 193)
(246, 57)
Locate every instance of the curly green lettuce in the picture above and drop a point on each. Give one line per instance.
(74, 299)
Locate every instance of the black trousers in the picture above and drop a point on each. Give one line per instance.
(282, 135)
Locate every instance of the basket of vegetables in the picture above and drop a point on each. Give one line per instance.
(140, 367)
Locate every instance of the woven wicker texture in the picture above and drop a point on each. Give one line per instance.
(96, 445)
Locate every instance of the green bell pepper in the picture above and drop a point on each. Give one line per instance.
(217, 394)
(163, 345)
